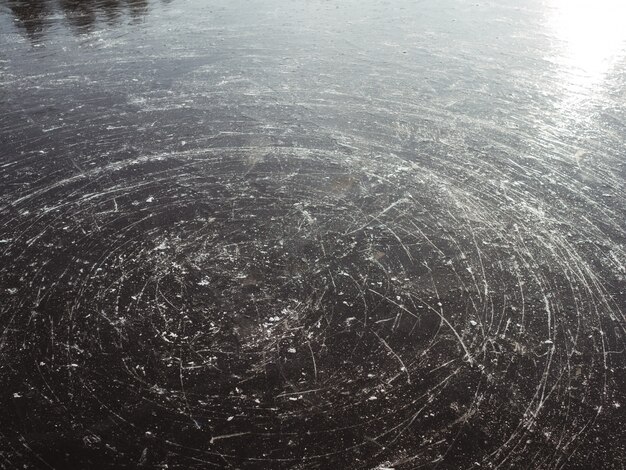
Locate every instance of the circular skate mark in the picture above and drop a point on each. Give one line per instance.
(295, 305)
(360, 281)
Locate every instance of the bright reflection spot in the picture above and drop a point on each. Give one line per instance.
(593, 33)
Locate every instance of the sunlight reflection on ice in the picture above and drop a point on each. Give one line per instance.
(593, 35)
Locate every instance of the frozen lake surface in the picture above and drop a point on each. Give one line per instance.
(312, 234)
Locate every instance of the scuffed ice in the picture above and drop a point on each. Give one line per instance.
(311, 234)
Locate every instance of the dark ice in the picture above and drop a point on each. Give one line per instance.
(312, 234)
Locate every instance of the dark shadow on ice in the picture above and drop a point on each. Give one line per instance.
(35, 17)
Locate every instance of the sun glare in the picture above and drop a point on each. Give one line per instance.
(592, 35)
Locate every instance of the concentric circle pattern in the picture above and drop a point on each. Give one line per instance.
(329, 235)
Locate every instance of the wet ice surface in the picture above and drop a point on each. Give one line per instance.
(312, 234)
